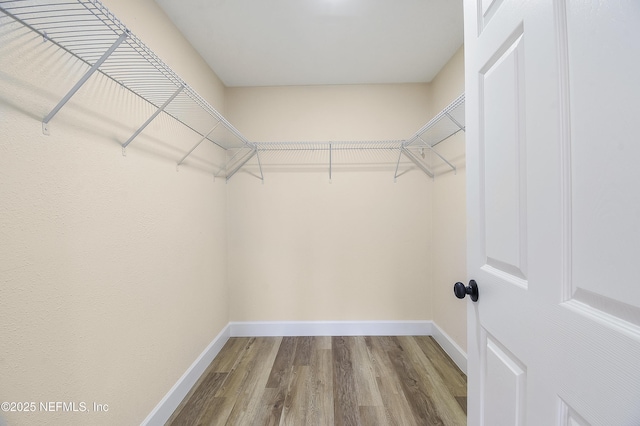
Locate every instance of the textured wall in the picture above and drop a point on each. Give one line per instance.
(449, 211)
(301, 248)
(112, 268)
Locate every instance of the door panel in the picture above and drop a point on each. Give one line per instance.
(502, 139)
(504, 387)
(568, 417)
(553, 201)
(488, 9)
(605, 200)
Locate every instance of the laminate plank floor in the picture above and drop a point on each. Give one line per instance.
(325, 381)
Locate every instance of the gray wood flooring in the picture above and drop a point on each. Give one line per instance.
(324, 381)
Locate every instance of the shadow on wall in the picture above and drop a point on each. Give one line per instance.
(102, 109)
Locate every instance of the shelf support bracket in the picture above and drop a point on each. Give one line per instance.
(438, 154)
(330, 162)
(259, 164)
(415, 161)
(196, 145)
(150, 119)
(454, 121)
(243, 162)
(78, 85)
(395, 176)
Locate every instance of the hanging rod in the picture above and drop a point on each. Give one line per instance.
(90, 32)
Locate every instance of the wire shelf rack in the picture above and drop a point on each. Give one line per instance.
(90, 32)
(445, 124)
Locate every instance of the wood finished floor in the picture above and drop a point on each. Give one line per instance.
(323, 381)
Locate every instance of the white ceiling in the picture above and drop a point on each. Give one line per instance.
(310, 42)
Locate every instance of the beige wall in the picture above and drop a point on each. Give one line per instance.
(112, 268)
(301, 248)
(294, 228)
(328, 113)
(449, 212)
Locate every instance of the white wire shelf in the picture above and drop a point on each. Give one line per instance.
(445, 124)
(91, 33)
(329, 145)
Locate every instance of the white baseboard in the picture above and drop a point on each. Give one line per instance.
(331, 328)
(174, 397)
(353, 328)
(452, 349)
(176, 394)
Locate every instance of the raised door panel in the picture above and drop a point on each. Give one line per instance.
(504, 385)
(601, 58)
(504, 162)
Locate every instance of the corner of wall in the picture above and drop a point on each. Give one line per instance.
(448, 196)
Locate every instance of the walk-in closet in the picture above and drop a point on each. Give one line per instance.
(153, 213)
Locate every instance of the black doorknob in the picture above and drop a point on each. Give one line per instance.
(461, 291)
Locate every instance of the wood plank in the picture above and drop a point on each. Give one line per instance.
(372, 416)
(309, 398)
(228, 356)
(303, 350)
(454, 378)
(227, 395)
(283, 364)
(248, 405)
(322, 342)
(232, 350)
(272, 402)
(367, 390)
(240, 370)
(279, 381)
(346, 411)
(190, 412)
(445, 404)
(397, 409)
(295, 407)
(321, 398)
(217, 412)
(420, 401)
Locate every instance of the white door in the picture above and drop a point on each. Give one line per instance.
(553, 166)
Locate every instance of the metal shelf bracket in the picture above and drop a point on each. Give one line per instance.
(196, 145)
(415, 161)
(78, 85)
(153, 116)
(242, 162)
(259, 164)
(438, 154)
(330, 162)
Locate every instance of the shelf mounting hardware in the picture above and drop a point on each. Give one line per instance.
(244, 161)
(78, 85)
(415, 161)
(438, 154)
